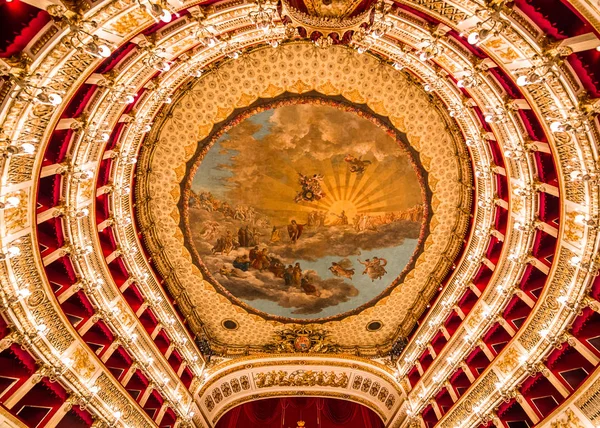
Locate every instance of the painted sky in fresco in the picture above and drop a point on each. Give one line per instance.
(250, 178)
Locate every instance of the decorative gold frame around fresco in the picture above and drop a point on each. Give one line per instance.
(285, 99)
(153, 241)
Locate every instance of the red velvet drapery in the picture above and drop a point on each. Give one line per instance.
(285, 412)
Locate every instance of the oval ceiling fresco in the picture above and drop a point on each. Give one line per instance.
(305, 210)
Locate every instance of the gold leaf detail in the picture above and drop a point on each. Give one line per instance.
(354, 96)
(178, 235)
(425, 161)
(175, 215)
(180, 173)
(222, 114)
(272, 91)
(190, 149)
(204, 130)
(245, 100)
(382, 301)
(433, 223)
(379, 108)
(175, 193)
(328, 89)
(299, 87)
(398, 122)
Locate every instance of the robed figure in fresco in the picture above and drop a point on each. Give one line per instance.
(295, 230)
(342, 219)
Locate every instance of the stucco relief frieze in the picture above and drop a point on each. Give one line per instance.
(263, 377)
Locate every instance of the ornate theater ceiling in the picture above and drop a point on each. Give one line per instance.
(390, 203)
(278, 150)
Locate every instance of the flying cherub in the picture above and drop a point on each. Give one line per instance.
(357, 165)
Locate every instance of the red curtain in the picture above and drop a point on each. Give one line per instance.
(286, 412)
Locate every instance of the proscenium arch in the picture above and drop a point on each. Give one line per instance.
(353, 379)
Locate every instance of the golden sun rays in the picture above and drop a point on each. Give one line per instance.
(376, 191)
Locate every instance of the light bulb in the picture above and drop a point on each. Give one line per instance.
(473, 38)
(168, 100)
(54, 99)
(105, 136)
(522, 81)
(13, 251)
(13, 201)
(24, 293)
(575, 175)
(129, 99)
(580, 218)
(398, 66)
(489, 118)
(556, 127)
(104, 51)
(424, 56)
(166, 16)
(460, 83)
(28, 148)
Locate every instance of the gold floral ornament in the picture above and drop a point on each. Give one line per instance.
(301, 378)
(302, 339)
(568, 421)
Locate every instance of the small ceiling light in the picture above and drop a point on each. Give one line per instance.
(493, 23)
(82, 39)
(432, 49)
(50, 99)
(522, 81)
(473, 37)
(12, 251)
(263, 17)
(156, 61)
(157, 11)
(10, 202)
(99, 50)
